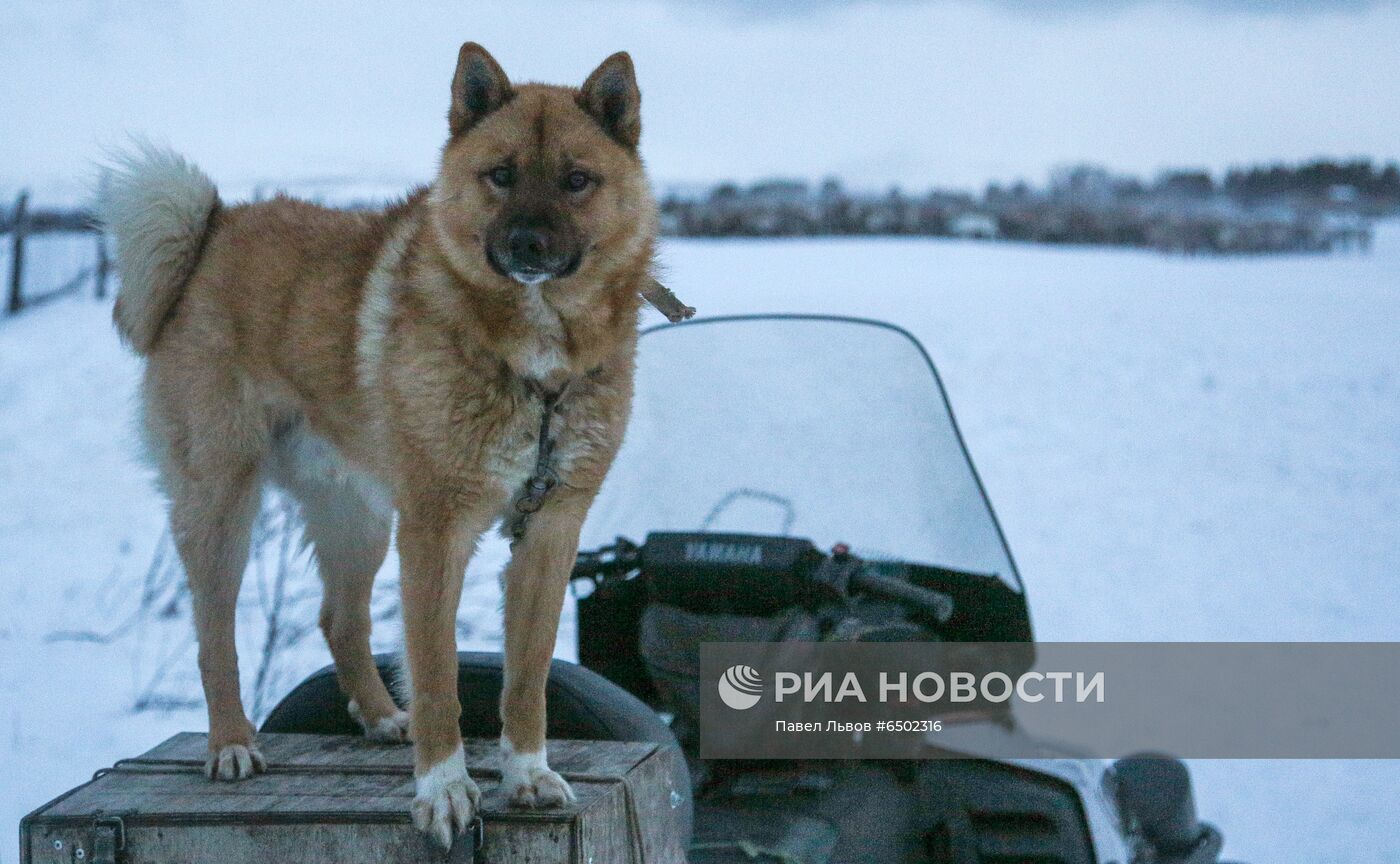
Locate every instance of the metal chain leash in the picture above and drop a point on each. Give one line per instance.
(545, 478)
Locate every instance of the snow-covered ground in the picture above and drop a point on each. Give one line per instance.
(1178, 449)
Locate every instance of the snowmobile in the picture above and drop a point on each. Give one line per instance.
(757, 443)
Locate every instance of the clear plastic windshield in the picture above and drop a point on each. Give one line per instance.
(831, 429)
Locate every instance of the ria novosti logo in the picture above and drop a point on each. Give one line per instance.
(740, 687)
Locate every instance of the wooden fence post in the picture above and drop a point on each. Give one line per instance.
(21, 227)
(104, 264)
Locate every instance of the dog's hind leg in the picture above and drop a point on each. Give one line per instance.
(211, 520)
(208, 438)
(348, 527)
(350, 540)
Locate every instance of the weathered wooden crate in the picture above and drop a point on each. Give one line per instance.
(346, 800)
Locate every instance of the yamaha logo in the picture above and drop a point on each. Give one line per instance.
(711, 552)
(740, 687)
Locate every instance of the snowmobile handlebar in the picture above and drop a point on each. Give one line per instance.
(613, 561)
(752, 574)
(934, 604)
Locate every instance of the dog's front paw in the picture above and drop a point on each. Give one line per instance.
(446, 800)
(528, 781)
(389, 729)
(234, 762)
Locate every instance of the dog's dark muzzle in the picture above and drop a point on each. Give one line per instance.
(531, 254)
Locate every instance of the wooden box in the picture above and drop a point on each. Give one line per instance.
(346, 800)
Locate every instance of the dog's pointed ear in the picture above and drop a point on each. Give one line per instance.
(479, 87)
(611, 96)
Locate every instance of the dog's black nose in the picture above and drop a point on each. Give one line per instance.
(529, 247)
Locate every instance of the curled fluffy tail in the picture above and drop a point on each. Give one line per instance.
(158, 208)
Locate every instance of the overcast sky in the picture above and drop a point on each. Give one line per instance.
(899, 91)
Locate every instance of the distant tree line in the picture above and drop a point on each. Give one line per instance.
(1370, 186)
(1319, 206)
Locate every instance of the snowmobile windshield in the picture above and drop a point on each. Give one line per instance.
(831, 429)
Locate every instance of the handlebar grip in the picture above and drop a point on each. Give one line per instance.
(925, 600)
(615, 560)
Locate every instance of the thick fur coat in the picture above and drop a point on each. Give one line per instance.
(374, 363)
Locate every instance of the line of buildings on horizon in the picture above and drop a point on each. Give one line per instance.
(1319, 206)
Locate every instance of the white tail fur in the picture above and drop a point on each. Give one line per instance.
(157, 206)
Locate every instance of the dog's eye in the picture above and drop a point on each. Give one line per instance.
(577, 181)
(502, 176)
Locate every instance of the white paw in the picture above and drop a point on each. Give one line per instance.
(392, 729)
(235, 762)
(528, 781)
(446, 799)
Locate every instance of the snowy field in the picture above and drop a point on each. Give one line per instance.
(1179, 449)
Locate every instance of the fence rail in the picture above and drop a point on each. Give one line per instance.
(51, 253)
